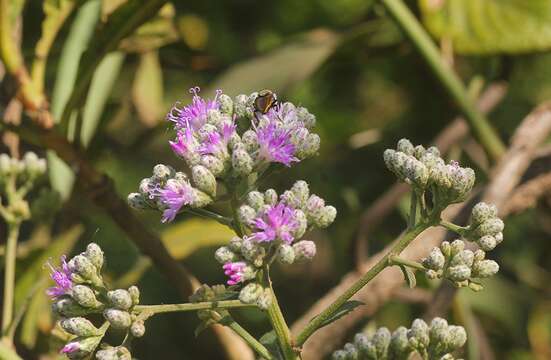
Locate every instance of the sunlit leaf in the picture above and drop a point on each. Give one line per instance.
(147, 89)
(39, 307)
(490, 26)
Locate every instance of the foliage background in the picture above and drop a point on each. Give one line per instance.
(350, 65)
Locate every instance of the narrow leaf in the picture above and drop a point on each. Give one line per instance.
(409, 276)
(345, 309)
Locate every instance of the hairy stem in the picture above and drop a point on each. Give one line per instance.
(404, 241)
(278, 321)
(451, 82)
(167, 308)
(9, 275)
(452, 227)
(396, 260)
(244, 334)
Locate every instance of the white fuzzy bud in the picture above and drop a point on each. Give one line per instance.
(84, 296)
(79, 326)
(405, 146)
(134, 294)
(465, 257)
(418, 335)
(305, 250)
(162, 172)
(309, 147)
(240, 105)
(308, 119)
(204, 180)
(242, 163)
(265, 299)
(270, 197)
(301, 191)
(224, 255)
(435, 260)
(458, 273)
(286, 254)
(487, 242)
(484, 269)
(226, 104)
(120, 299)
(213, 164)
(381, 340)
(137, 329)
(351, 351)
(118, 319)
(255, 199)
(250, 140)
(250, 293)
(399, 346)
(136, 201)
(327, 216)
(482, 212)
(246, 214)
(95, 255)
(68, 307)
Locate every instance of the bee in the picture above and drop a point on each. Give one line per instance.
(265, 100)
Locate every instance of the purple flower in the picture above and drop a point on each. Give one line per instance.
(275, 144)
(194, 115)
(70, 348)
(185, 143)
(62, 279)
(175, 195)
(235, 270)
(276, 223)
(216, 143)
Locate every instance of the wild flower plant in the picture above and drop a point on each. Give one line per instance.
(229, 146)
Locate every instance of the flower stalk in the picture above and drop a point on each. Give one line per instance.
(168, 308)
(9, 275)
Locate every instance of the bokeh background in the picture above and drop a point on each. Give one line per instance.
(350, 65)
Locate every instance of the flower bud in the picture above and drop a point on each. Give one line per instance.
(214, 118)
(265, 299)
(339, 355)
(482, 212)
(476, 287)
(289, 199)
(95, 255)
(81, 265)
(242, 162)
(204, 180)
(351, 351)
(327, 216)
(162, 172)
(120, 299)
(431, 274)
(81, 347)
(136, 201)
(464, 257)
(314, 207)
(137, 329)
(456, 247)
(5, 164)
(250, 293)
(226, 104)
(446, 248)
(84, 296)
(79, 326)
(224, 255)
(302, 224)
(240, 105)
(235, 244)
(438, 331)
(118, 319)
(490, 227)
(270, 197)
(487, 242)
(459, 273)
(286, 254)
(309, 147)
(305, 250)
(250, 140)
(498, 237)
(255, 199)
(33, 165)
(107, 354)
(253, 252)
(134, 294)
(381, 340)
(308, 119)
(201, 199)
(484, 269)
(68, 307)
(405, 146)
(435, 260)
(360, 342)
(302, 192)
(418, 335)
(246, 214)
(399, 346)
(213, 164)
(419, 151)
(457, 337)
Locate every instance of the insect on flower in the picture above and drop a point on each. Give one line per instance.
(266, 100)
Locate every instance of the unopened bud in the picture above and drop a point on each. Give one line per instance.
(457, 337)
(84, 296)
(270, 197)
(240, 105)
(418, 335)
(134, 294)
(308, 119)
(118, 319)
(464, 257)
(309, 147)
(68, 307)
(162, 172)
(137, 329)
(120, 299)
(286, 254)
(204, 180)
(351, 351)
(405, 146)
(459, 273)
(399, 345)
(327, 216)
(214, 164)
(81, 265)
(255, 199)
(482, 212)
(95, 255)
(250, 293)
(305, 250)
(242, 162)
(456, 247)
(289, 198)
(226, 104)
(381, 340)
(79, 326)
(435, 260)
(487, 242)
(301, 191)
(265, 299)
(301, 224)
(136, 201)
(224, 255)
(484, 269)
(246, 214)
(339, 355)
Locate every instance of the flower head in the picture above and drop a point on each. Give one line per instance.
(194, 115)
(276, 223)
(216, 143)
(274, 144)
(185, 143)
(236, 272)
(62, 279)
(70, 348)
(175, 195)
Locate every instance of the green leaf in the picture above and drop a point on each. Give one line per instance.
(147, 89)
(100, 89)
(282, 67)
(409, 276)
(270, 341)
(345, 309)
(39, 308)
(490, 26)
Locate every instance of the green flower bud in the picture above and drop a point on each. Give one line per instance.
(438, 331)
(255, 199)
(84, 296)
(95, 255)
(286, 254)
(435, 260)
(134, 294)
(302, 192)
(487, 242)
(201, 199)
(250, 293)
(204, 180)
(162, 172)
(482, 212)
(137, 329)
(351, 351)
(405, 146)
(120, 299)
(419, 151)
(79, 326)
(226, 104)
(484, 269)
(246, 214)
(302, 224)
(399, 347)
(381, 340)
(458, 273)
(305, 250)
(308, 119)
(265, 299)
(224, 255)
(270, 197)
(235, 244)
(476, 287)
(242, 162)
(465, 257)
(83, 347)
(457, 337)
(456, 247)
(479, 255)
(339, 355)
(490, 227)
(118, 319)
(253, 252)
(136, 201)
(418, 335)
(309, 147)
(446, 248)
(240, 105)
(68, 307)
(213, 164)
(327, 216)
(250, 140)
(81, 265)
(289, 198)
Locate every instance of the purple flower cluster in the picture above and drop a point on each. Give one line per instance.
(194, 115)
(174, 196)
(235, 272)
(62, 278)
(275, 223)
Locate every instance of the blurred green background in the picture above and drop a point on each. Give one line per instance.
(346, 61)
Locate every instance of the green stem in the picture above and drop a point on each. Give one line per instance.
(396, 260)
(452, 227)
(244, 334)
(451, 82)
(235, 208)
(412, 209)
(166, 308)
(402, 243)
(278, 321)
(9, 275)
(211, 215)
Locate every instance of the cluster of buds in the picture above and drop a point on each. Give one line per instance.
(461, 266)
(17, 178)
(225, 141)
(273, 226)
(80, 291)
(169, 191)
(435, 342)
(485, 228)
(424, 169)
(206, 293)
